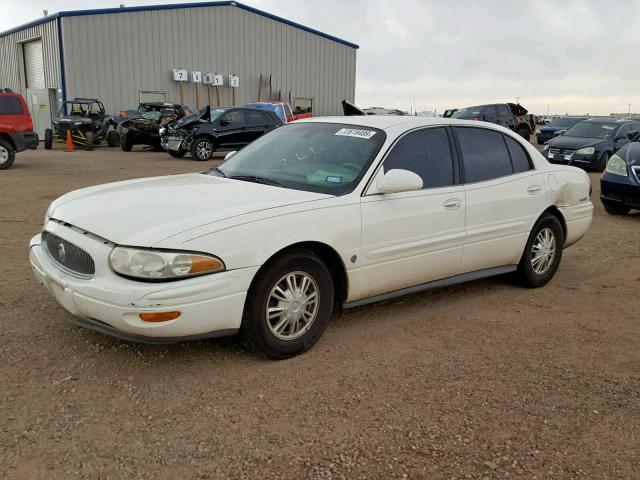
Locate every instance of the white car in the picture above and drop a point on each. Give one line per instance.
(318, 214)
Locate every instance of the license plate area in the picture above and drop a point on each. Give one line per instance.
(174, 144)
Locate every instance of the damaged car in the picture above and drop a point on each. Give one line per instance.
(227, 128)
(87, 122)
(142, 126)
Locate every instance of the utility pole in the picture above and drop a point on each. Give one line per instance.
(629, 113)
(517, 100)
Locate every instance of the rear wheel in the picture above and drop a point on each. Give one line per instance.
(89, 140)
(7, 155)
(289, 305)
(542, 253)
(113, 138)
(48, 139)
(125, 142)
(524, 133)
(616, 209)
(202, 149)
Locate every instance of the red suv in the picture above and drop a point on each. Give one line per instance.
(16, 127)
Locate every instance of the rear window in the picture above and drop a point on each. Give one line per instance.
(10, 105)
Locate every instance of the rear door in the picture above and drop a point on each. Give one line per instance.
(503, 197)
(257, 124)
(415, 237)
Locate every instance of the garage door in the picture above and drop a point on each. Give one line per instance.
(33, 64)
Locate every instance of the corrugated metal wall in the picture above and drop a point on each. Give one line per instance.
(11, 61)
(114, 56)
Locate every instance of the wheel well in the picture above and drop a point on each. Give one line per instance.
(553, 210)
(7, 138)
(330, 258)
(208, 136)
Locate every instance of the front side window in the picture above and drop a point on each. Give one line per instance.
(490, 114)
(232, 118)
(315, 157)
(425, 152)
(484, 153)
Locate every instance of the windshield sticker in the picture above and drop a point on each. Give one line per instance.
(608, 127)
(332, 179)
(354, 132)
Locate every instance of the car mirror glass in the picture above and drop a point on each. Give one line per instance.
(398, 180)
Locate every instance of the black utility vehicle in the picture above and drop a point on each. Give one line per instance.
(589, 144)
(142, 126)
(229, 128)
(88, 123)
(510, 115)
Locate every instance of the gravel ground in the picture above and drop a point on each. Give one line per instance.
(484, 380)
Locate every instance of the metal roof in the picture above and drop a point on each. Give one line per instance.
(175, 6)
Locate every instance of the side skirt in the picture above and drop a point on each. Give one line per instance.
(445, 282)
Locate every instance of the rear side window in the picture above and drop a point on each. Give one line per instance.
(256, 118)
(234, 117)
(484, 153)
(10, 105)
(519, 157)
(425, 152)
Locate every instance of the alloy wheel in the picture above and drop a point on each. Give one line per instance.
(204, 149)
(292, 306)
(543, 251)
(4, 155)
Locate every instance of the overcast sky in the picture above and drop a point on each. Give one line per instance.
(573, 56)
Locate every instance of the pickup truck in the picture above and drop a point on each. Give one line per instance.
(511, 115)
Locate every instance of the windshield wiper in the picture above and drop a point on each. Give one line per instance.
(256, 179)
(218, 172)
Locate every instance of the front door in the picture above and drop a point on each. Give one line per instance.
(414, 237)
(40, 109)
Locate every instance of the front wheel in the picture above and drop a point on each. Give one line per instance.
(89, 140)
(542, 253)
(602, 164)
(202, 149)
(7, 155)
(48, 139)
(125, 142)
(289, 305)
(113, 138)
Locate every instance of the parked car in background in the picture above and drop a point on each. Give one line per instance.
(590, 143)
(556, 127)
(282, 109)
(316, 214)
(88, 123)
(620, 182)
(449, 113)
(142, 126)
(509, 115)
(229, 128)
(16, 128)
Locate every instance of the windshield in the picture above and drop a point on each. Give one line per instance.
(468, 112)
(146, 108)
(591, 130)
(565, 122)
(315, 157)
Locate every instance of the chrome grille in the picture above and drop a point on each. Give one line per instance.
(563, 151)
(68, 256)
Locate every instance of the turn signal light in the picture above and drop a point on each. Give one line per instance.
(204, 264)
(159, 316)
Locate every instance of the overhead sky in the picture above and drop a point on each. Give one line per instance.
(571, 56)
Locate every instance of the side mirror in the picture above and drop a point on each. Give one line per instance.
(559, 132)
(397, 181)
(230, 154)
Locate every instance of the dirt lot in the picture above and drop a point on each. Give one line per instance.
(484, 380)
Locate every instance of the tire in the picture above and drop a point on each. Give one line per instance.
(48, 139)
(125, 142)
(280, 337)
(202, 149)
(524, 133)
(113, 138)
(177, 154)
(535, 276)
(602, 163)
(89, 139)
(7, 155)
(616, 209)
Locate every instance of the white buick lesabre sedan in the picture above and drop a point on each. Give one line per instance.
(317, 214)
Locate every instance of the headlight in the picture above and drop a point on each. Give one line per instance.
(617, 166)
(586, 151)
(162, 131)
(162, 265)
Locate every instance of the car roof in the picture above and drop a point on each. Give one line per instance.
(610, 120)
(385, 122)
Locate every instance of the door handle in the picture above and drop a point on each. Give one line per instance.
(534, 189)
(452, 204)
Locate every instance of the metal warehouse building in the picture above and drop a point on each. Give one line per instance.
(124, 55)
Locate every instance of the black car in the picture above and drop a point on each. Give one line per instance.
(556, 127)
(620, 182)
(229, 128)
(589, 144)
(142, 126)
(510, 115)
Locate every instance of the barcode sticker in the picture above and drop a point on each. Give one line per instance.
(354, 132)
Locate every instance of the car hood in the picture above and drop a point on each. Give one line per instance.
(573, 143)
(552, 129)
(146, 211)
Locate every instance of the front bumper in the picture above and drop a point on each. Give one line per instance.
(619, 190)
(210, 305)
